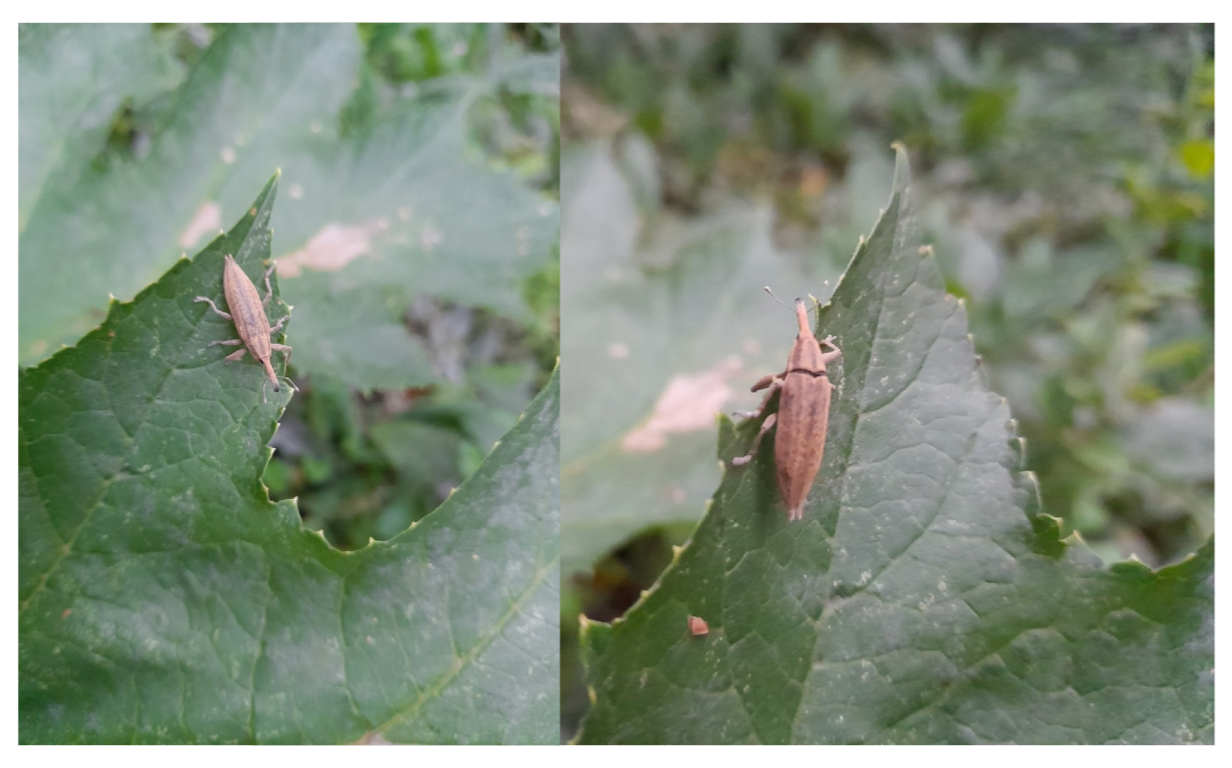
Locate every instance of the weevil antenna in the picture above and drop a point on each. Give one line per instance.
(766, 288)
(812, 298)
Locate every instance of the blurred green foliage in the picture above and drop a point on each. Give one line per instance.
(368, 465)
(1065, 176)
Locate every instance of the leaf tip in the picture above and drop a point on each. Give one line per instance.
(1131, 566)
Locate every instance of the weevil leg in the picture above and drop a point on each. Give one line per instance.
(283, 348)
(278, 325)
(234, 355)
(766, 426)
(211, 303)
(775, 383)
(828, 356)
(767, 380)
(228, 343)
(268, 291)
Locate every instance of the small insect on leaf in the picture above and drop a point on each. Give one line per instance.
(698, 626)
(804, 413)
(248, 314)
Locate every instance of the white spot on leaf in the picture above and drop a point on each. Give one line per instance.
(688, 404)
(207, 220)
(329, 250)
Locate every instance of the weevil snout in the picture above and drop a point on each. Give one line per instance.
(802, 318)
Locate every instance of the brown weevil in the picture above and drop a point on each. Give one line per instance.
(804, 412)
(248, 314)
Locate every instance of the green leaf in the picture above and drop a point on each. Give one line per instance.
(416, 217)
(371, 218)
(922, 598)
(165, 598)
(535, 73)
(73, 79)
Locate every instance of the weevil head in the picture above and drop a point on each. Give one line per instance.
(805, 352)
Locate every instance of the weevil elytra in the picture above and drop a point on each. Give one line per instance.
(802, 418)
(248, 314)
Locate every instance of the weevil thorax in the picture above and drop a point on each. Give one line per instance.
(806, 352)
